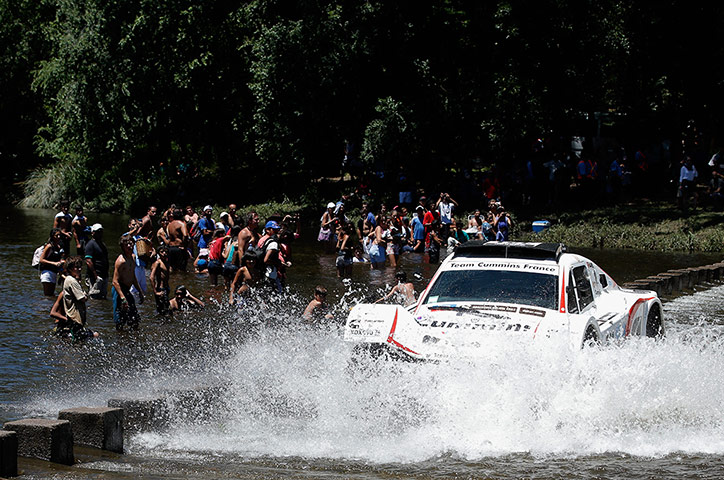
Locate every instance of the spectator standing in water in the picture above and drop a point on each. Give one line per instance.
(124, 277)
(418, 230)
(445, 206)
(96, 259)
(80, 230)
(247, 277)
(183, 300)
(159, 281)
(146, 228)
(74, 298)
(248, 235)
(344, 252)
(178, 242)
(162, 232)
(328, 226)
(70, 320)
(403, 293)
(435, 243)
(215, 256)
(207, 226)
(51, 261)
(378, 244)
(269, 244)
(64, 221)
(317, 310)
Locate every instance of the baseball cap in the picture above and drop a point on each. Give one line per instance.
(208, 207)
(331, 205)
(224, 214)
(96, 227)
(272, 224)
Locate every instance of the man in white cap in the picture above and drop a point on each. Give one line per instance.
(207, 225)
(96, 259)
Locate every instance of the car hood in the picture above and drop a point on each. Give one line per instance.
(451, 330)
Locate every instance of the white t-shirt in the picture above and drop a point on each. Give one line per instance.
(687, 174)
(445, 209)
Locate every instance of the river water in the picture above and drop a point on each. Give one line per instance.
(294, 407)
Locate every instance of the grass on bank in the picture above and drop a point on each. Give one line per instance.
(658, 226)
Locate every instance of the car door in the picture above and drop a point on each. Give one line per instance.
(580, 299)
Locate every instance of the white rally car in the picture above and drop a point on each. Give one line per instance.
(532, 292)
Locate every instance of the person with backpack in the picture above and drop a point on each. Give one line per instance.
(50, 262)
(269, 250)
(230, 255)
(215, 255)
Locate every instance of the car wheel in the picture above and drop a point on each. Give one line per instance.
(654, 323)
(590, 337)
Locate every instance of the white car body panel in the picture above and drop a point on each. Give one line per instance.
(437, 328)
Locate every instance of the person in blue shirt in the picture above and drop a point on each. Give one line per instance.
(207, 225)
(418, 230)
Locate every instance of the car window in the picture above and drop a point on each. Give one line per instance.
(583, 286)
(504, 286)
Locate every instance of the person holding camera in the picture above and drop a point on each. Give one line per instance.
(445, 206)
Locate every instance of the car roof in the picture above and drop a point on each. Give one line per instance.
(513, 250)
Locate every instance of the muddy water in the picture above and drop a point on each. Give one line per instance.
(295, 408)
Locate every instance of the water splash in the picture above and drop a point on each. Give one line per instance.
(292, 390)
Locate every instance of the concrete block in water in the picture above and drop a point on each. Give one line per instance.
(685, 277)
(142, 414)
(704, 274)
(99, 427)
(675, 279)
(694, 276)
(8, 453)
(50, 440)
(717, 271)
(646, 284)
(666, 283)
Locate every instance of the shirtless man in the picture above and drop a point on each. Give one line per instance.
(80, 222)
(191, 217)
(317, 310)
(178, 240)
(248, 235)
(146, 229)
(159, 281)
(124, 277)
(404, 291)
(63, 221)
(234, 219)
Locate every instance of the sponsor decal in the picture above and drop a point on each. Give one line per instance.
(364, 333)
(532, 311)
(505, 265)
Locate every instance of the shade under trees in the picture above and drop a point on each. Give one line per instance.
(112, 103)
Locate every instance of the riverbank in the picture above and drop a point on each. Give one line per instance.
(646, 225)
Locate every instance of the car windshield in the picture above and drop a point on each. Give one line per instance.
(499, 286)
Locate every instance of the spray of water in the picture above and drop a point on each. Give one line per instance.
(291, 389)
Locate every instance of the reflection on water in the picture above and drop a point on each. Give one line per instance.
(291, 399)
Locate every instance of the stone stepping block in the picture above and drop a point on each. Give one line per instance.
(50, 440)
(8, 454)
(99, 427)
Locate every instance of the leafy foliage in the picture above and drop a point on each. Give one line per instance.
(141, 100)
